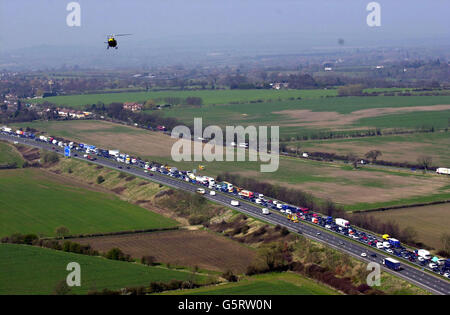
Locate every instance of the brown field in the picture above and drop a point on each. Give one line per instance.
(182, 248)
(430, 222)
(333, 119)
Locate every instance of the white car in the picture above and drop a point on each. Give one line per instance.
(447, 275)
(16, 142)
(363, 255)
(258, 201)
(420, 258)
(265, 211)
(201, 191)
(212, 193)
(234, 203)
(389, 250)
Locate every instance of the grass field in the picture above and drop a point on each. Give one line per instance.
(334, 113)
(33, 201)
(430, 222)
(209, 96)
(356, 189)
(33, 270)
(9, 155)
(268, 284)
(397, 148)
(181, 248)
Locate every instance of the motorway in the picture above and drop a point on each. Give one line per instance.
(423, 279)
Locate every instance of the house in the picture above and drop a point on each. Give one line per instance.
(279, 85)
(132, 106)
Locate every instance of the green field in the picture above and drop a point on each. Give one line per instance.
(9, 155)
(267, 284)
(33, 270)
(209, 96)
(340, 108)
(32, 201)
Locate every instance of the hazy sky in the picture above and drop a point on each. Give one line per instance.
(25, 23)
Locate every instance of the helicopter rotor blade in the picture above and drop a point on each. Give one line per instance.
(123, 34)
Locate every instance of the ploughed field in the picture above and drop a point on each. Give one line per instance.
(180, 248)
(430, 222)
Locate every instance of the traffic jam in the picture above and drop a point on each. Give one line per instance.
(208, 185)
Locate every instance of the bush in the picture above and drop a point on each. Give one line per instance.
(100, 179)
(230, 276)
(116, 254)
(50, 157)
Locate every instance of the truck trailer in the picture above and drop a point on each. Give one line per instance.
(391, 263)
(342, 222)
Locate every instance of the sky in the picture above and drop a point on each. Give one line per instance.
(219, 24)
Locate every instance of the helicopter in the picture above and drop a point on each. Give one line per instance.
(112, 42)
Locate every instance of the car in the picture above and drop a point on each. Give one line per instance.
(212, 193)
(432, 265)
(341, 243)
(389, 250)
(363, 255)
(447, 275)
(145, 171)
(373, 255)
(234, 203)
(200, 191)
(318, 233)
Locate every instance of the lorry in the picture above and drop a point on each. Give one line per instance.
(114, 153)
(246, 193)
(423, 253)
(447, 264)
(342, 222)
(394, 242)
(443, 170)
(226, 186)
(391, 263)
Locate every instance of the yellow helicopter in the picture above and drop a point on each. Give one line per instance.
(112, 42)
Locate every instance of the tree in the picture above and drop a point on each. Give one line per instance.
(100, 179)
(62, 231)
(424, 162)
(353, 159)
(373, 155)
(445, 239)
(351, 90)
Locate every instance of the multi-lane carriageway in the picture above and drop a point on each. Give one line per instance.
(419, 277)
